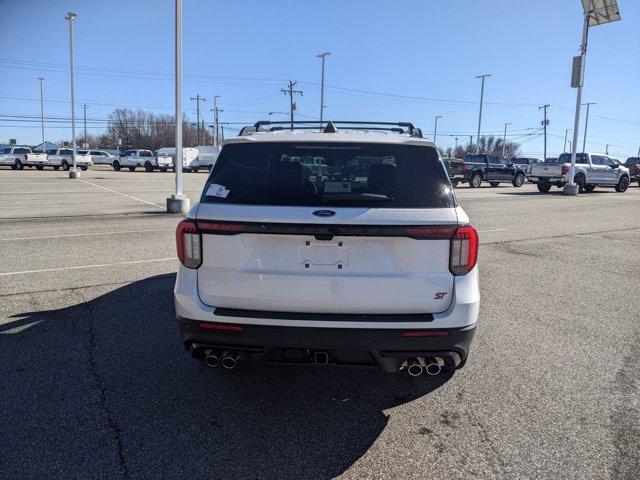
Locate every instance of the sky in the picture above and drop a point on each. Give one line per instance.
(408, 60)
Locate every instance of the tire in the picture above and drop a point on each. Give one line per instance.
(518, 181)
(476, 180)
(453, 182)
(580, 181)
(84, 168)
(65, 165)
(195, 169)
(163, 170)
(543, 187)
(623, 184)
(39, 167)
(116, 165)
(13, 166)
(19, 165)
(148, 167)
(494, 184)
(132, 169)
(589, 188)
(57, 167)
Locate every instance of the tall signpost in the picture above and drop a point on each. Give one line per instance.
(596, 12)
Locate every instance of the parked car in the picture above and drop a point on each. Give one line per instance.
(592, 170)
(493, 169)
(190, 162)
(63, 157)
(372, 264)
(207, 156)
(525, 163)
(19, 157)
(633, 164)
(456, 169)
(132, 159)
(99, 157)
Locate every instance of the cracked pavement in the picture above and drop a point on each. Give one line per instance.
(95, 383)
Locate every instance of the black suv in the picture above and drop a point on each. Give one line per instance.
(493, 169)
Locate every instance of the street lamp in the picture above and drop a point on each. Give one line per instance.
(504, 138)
(322, 56)
(435, 128)
(42, 108)
(596, 12)
(480, 113)
(178, 202)
(73, 172)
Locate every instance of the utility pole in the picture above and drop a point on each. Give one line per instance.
(216, 122)
(470, 141)
(545, 122)
(607, 149)
(73, 172)
(84, 108)
(42, 109)
(198, 99)
(454, 154)
(322, 56)
(291, 92)
(480, 113)
(222, 131)
(566, 131)
(586, 123)
(504, 138)
(435, 128)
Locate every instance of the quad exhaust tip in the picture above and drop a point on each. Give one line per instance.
(416, 366)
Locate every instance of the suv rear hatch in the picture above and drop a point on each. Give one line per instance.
(327, 227)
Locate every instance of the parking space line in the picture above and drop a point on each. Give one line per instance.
(8, 239)
(120, 193)
(80, 267)
(494, 230)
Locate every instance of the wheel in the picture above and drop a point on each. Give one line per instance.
(132, 169)
(623, 183)
(148, 167)
(195, 169)
(494, 184)
(518, 181)
(65, 165)
(476, 180)
(57, 167)
(589, 188)
(116, 165)
(84, 168)
(19, 165)
(580, 181)
(39, 167)
(453, 182)
(544, 187)
(163, 169)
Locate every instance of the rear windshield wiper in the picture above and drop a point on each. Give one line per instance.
(355, 196)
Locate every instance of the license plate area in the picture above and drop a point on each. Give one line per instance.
(314, 254)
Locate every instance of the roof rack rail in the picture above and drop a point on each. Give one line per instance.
(329, 126)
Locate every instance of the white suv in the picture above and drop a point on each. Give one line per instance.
(337, 246)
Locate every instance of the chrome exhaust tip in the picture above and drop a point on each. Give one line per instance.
(211, 359)
(433, 368)
(414, 369)
(230, 360)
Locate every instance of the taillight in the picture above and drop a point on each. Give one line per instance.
(464, 250)
(25, 157)
(638, 169)
(463, 168)
(565, 169)
(221, 228)
(188, 244)
(431, 232)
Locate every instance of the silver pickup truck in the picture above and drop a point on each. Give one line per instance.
(592, 170)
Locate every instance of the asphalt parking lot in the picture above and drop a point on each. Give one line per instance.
(95, 383)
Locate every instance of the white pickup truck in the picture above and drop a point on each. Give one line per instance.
(19, 157)
(63, 157)
(592, 170)
(133, 159)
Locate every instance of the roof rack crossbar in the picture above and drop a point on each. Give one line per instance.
(397, 127)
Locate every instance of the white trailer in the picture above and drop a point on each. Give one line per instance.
(207, 156)
(190, 161)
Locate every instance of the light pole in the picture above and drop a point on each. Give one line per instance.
(322, 56)
(215, 119)
(566, 131)
(608, 12)
(178, 202)
(435, 128)
(504, 138)
(42, 109)
(73, 172)
(480, 113)
(84, 108)
(586, 124)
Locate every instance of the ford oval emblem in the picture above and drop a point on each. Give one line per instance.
(324, 213)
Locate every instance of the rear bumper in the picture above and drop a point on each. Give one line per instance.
(355, 347)
(552, 180)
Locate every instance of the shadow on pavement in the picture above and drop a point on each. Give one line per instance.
(105, 386)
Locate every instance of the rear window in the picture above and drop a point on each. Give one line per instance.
(21, 150)
(66, 151)
(329, 174)
(566, 158)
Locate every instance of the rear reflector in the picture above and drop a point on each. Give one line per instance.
(464, 250)
(221, 327)
(426, 333)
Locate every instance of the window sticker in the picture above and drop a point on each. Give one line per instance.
(216, 190)
(337, 187)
